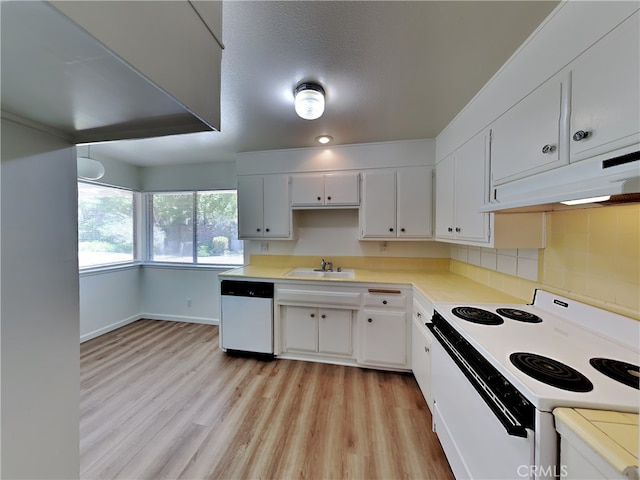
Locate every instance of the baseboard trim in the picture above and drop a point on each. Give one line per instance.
(109, 328)
(180, 318)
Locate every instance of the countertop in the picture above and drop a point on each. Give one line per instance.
(436, 287)
(613, 435)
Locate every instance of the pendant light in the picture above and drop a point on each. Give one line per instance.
(88, 168)
(309, 100)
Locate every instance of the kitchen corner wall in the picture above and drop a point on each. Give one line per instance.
(592, 255)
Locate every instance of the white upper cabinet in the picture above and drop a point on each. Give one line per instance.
(396, 204)
(461, 186)
(325, 190)
(605, 90)
(263, 207)
(526, 139)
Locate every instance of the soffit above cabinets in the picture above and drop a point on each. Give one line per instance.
(57, 75)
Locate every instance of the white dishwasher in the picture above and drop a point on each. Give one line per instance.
(246, 322)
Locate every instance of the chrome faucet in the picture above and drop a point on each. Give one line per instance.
(324, 265)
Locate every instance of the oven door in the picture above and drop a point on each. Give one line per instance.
(476, 443)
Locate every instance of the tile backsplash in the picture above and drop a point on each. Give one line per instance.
(521, 263)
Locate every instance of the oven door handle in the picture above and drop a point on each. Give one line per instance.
(501, 412)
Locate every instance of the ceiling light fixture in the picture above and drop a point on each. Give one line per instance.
(309, 100)
(324, 139)
(88, 168)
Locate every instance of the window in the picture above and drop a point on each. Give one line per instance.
(106, 226)
(195, 227)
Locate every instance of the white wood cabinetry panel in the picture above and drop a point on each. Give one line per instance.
(334, 331)
(606, 94)
(301, 329)
(332, 189)
(526, 139)
(263, 207)
(397, 204)
(384, 338)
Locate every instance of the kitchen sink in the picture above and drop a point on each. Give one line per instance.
(317, 273)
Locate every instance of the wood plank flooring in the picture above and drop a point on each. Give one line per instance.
(159, 400)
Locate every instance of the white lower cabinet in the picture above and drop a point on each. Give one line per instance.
(384, 338)
(421, 340)
(317, 330)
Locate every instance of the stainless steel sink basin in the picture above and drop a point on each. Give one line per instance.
(313, 273)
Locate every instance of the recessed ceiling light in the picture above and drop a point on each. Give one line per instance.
(324, 139)
(309, 100)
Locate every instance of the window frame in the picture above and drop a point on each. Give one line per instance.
(148, 229)
(136, 234)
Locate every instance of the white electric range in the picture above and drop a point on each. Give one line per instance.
(498, 371)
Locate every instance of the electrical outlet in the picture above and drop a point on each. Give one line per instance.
(189, 302)
(382, 246)
(264, 246)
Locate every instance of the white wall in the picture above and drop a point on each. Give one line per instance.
(209, 176)
(166, 290)
(109, 299)
(40, 321)
(335, 232)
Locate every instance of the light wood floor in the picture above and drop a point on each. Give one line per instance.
(160, 400)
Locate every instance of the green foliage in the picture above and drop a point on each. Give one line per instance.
(219, 245)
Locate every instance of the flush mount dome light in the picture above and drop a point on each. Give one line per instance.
(309, 100)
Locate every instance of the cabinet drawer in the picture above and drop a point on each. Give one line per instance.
(315, 296)
(385, 299)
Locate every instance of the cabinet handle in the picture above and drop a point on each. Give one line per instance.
(419, 315)
(323, 316)
(426, 349)
(548, 149)
(369, 320)
(580, 135)
(266, 229)
(402, 230)
(391, 229)
(458, 229)
(319, 198)
(313, 315)
(328, 198)
(449, 229)
(384, 302)
(257, 229)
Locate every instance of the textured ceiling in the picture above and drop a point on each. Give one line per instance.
(391, 70)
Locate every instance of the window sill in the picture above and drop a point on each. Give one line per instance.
(98, 269)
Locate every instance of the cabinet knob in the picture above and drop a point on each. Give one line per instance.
(458, 229)
(328, 198)
(426, 349)
(548, 149)
(384, 302)
(313, 315)
(402, 230)
(323, 316)
(391, 229)
(580, 135)
(449, 229)
(319, 198)
(369, 320)
(266, 229)
(257, 229)
(419, 315)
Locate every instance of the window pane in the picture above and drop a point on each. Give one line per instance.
(217, 229)
(172, 227)
(105, 225)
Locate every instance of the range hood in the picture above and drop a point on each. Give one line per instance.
(618, 177)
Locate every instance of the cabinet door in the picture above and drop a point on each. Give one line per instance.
(471, 186)
(384, 338)
(307, 190)
(414, 197)
(525, 140)
(300, 329)
(378, 210)
(342, 189)
(605, 93)
(334, 331)
(421, 360)
(445, 171)
(277, 211)
(250, 203)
